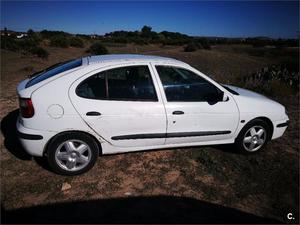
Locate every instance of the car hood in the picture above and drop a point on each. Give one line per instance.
(250, 101)
(245, 92)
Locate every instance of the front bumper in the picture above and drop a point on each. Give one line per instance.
(33, 141)
(279, 128)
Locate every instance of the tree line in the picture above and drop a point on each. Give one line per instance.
(32, 42)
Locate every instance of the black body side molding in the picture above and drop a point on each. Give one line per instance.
(29, 136)
(170, 135)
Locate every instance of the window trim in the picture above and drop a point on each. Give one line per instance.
(104, 70)
(180, 67)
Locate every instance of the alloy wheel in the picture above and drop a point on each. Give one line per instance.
(73, 155)
(254, 138)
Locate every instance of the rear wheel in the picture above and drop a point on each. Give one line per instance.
(72, 153)
(253, 137)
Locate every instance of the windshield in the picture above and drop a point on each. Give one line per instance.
(53, 70)
(230, 90)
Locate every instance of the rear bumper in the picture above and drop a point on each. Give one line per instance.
(279, 128)
(29, 136)
(33, 141)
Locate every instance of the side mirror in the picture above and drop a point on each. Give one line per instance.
(218, 97)
(225, 97)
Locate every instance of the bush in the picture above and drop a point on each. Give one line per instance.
(121, 40)
(16, 45)
(276, 80)
(76, 42)
(191, 47)
(98, 49)
(59, 41)
(27, 43)
(40, 52)
(140, 41)
(205, 45)
(9, 43)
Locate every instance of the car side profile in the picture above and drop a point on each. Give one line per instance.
(74, 111)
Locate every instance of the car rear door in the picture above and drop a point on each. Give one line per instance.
(122, 105)
(191, 118)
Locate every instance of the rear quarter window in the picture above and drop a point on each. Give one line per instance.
(54, 70)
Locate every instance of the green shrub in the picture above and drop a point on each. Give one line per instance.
(191, 47)
(76, 42)
(14, 44)
(9, 43)
(205, 45)
(140, 41)
(59, 41)
(121, 40)
(40, 52)
(27, 43)
(98, 49)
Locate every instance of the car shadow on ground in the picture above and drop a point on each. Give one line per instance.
(157, 209)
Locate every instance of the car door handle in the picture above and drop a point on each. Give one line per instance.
(93, 113)
(178, 113)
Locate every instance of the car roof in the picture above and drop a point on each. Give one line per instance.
(114, 58)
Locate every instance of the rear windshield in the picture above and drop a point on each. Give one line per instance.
(53, 70)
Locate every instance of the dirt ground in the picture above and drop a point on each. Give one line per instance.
(201, 184)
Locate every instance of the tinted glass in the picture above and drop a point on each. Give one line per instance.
(54, 70)
(183, 85)
(93, 87)
(132, 83)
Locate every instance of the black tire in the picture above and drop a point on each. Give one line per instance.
(239, 141)
(59, 140)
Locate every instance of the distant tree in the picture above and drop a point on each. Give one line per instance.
(30, 32)
(146, 31)
(47, 34)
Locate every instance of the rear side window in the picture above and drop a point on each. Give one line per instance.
(54, 70)
(133, 83)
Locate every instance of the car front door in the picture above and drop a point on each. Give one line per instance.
(195, 113)
(121, 104)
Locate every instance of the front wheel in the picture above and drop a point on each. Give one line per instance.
(72, 153)
(253, 137)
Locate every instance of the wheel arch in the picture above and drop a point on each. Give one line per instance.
(73, 131)
(265, 119)
(270, 124)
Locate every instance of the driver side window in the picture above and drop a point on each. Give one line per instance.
(182, 85)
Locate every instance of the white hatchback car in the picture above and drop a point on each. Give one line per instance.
(73, 111)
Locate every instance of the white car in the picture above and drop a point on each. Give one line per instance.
(74, 111)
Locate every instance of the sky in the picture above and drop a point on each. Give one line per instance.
(278, 19)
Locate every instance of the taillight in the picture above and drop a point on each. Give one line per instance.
(26, 107)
